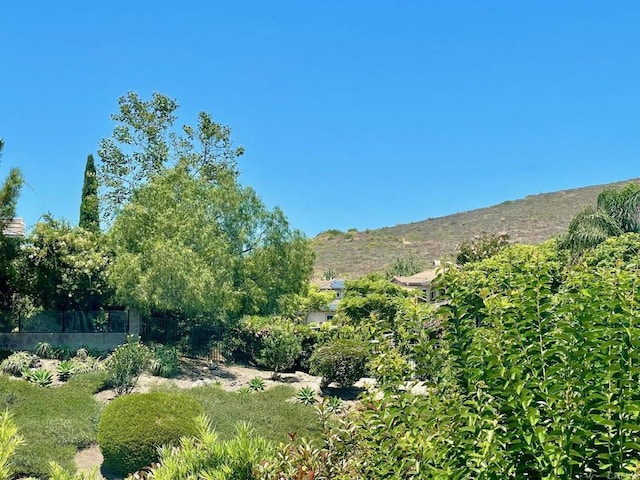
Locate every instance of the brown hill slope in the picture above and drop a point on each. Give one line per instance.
(530, 220)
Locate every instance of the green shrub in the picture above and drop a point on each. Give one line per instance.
(342, 361)
(125, 365)
(164, 361)
(279, 351)
(17, 362)
(132, 428)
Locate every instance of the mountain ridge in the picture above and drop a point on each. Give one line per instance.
(532, 219)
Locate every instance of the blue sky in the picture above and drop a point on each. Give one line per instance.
(353, 114)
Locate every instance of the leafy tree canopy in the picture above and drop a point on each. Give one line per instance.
(481, 246)
(65, 267)
(188, 237)
(188, 246)
(144, 144)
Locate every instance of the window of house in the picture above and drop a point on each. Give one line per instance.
(328, 318)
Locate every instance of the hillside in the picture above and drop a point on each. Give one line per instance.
(529, 220)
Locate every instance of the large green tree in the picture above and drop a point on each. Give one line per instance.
(188, 238)
(89, 207)
(9, 246)
(187, 246)
(145, 143)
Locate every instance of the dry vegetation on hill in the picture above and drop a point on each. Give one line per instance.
(529, 220)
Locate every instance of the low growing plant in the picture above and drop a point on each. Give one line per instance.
(306, 396)
(44, 350)
(9, 441)
(132, 427)
(65, 369)
(206, 456)
(40, 377)
(17, 362)
(164, 361)
(257, 384)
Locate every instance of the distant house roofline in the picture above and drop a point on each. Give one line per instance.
(14, 228)
(421, 279)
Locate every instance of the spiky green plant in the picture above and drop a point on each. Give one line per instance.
(244, 390)
(10, 440)
(40, 377)
(334, 404)
(306, 396)
(65, 369)
(257, 384)
(207, 456)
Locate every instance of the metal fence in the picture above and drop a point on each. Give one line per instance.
(195, 339)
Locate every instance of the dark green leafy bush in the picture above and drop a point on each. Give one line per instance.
(279, 351)
(342, 361)
(132, 428)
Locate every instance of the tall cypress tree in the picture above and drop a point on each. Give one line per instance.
(89, 209)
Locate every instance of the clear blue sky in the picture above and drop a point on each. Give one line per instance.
(353, 114)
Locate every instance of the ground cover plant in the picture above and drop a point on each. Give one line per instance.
(132, 427)
(271, 413)
(54, 422)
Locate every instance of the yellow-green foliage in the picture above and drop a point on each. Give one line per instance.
(9, 441)
(132, 427)
(207, 456)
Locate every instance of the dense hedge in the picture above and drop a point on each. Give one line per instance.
(132, 427)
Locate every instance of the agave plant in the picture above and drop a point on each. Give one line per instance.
(334, 404)
(65, 369)
(40, 377)
(244, 390)
(306, 396)
(257, 384)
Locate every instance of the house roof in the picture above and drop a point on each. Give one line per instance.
(333, 284)
(421, 279)
(15, 228)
